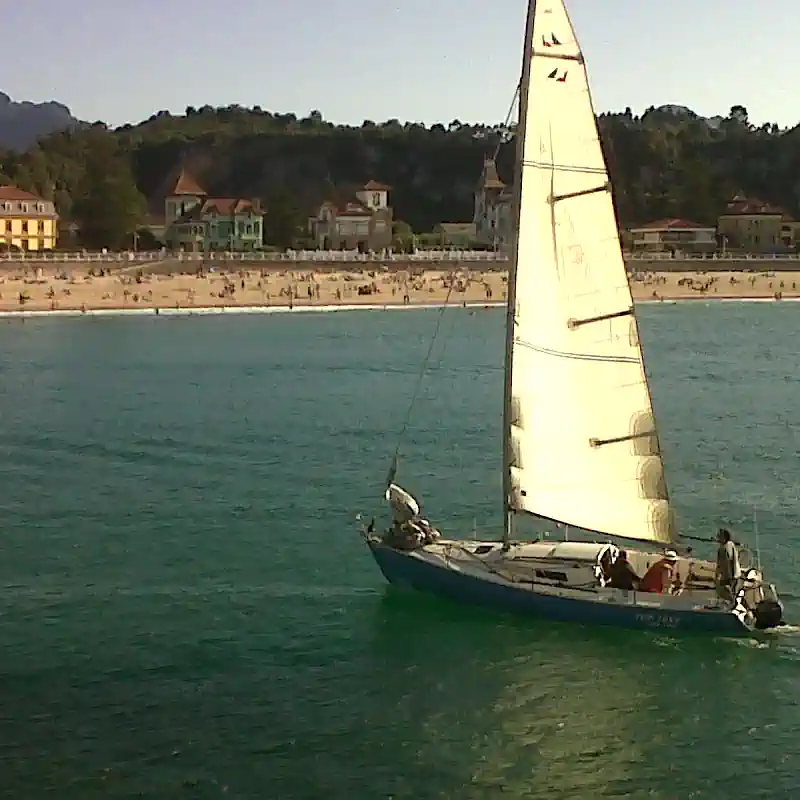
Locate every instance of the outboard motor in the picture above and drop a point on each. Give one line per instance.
(760, 599)
(768, 614)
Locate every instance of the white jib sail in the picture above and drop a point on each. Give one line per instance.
(583, 444)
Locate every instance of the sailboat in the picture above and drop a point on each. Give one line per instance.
(580, 445)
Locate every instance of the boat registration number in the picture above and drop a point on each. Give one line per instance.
(658, 620)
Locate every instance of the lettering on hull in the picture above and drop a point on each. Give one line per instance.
(658, 620)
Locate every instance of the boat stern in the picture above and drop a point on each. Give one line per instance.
(760, 599)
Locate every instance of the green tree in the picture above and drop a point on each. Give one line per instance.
(109, 207)
(667, 162)
(402, 236)
(739, 114)
(283, 221)
(63, 201)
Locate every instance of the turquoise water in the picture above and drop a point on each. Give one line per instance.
(187, 610)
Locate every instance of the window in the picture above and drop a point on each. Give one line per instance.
(376, 199)
(23, 207)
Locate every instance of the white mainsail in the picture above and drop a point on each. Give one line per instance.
(582, 446)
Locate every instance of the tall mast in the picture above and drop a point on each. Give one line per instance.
(524, 92)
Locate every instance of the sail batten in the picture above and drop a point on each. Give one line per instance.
(550, 167)
(560, 56)
(582, 445)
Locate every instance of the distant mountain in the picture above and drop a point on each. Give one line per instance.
(21, 124)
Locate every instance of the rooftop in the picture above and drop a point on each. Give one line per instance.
(457, 227)
(672, 225)
(185, 184)
(350, 208)
(220, 206)
(8, 192)
(749, 206)
(489, 177)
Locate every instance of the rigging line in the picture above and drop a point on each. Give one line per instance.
(507, 121)
(421, 376)
(422, 372)
(445, 339)
(449, 333)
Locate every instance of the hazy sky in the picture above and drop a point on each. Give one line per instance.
(425, 60)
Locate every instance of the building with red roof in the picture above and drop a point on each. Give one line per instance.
(194, 220)
(362, 222)
(755, 226)
(27, 221)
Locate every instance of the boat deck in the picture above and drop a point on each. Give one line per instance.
(530, 565)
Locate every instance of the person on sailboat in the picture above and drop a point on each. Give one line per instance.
(728, 568)
(661, 575)
(622, 575)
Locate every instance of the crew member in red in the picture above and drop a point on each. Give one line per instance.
(661, 575)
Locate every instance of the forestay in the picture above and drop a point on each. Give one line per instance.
(583, 447)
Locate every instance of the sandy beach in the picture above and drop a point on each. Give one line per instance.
(50, 288)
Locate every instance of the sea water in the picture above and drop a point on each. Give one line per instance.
(187, 609)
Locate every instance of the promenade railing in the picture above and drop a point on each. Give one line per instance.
(131, 258)
(327, 256)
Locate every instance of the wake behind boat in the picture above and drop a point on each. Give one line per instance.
(580, 445)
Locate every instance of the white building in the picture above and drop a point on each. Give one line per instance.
(362, 223)
(674, 235)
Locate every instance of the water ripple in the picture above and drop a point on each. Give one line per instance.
(187, 609)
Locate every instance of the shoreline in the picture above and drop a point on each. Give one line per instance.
(89, 292)
(205, 311)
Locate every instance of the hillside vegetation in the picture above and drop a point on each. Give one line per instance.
(667, 163)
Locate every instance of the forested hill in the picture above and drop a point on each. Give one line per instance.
(667, 163)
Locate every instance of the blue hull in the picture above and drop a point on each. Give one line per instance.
(403, 569)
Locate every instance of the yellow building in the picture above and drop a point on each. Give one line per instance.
(27, 222)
